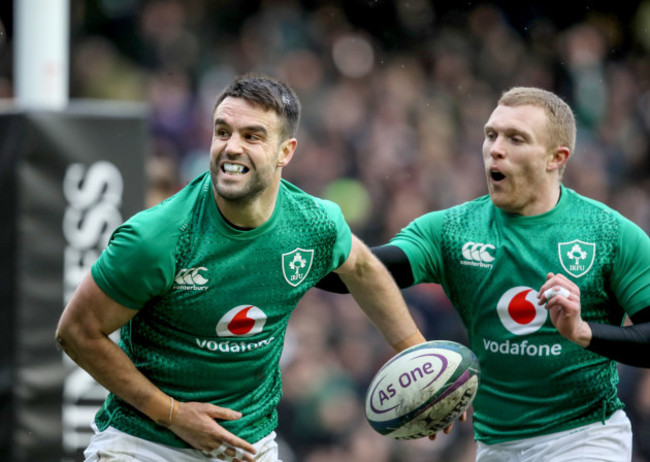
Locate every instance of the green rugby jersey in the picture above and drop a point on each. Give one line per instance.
(214, 301)
(491, 264)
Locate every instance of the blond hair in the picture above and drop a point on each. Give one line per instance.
(561, 121)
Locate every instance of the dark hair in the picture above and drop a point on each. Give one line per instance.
(270, 94)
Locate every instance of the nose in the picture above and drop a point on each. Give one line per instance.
(494, 147)
(234, 144)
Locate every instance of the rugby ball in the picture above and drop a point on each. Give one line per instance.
(422, 389)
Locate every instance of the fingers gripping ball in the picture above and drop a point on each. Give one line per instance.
(422, 390)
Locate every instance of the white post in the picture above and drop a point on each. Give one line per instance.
(41, 53)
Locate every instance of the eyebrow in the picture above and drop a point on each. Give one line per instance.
(249, 128)
(508, 130)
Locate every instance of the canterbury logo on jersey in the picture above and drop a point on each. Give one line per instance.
(191, 279)
(477, 254)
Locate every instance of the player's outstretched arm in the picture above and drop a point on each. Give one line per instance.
(83, 333)
(378, 295)
(393, 258)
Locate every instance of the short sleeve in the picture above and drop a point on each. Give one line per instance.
(136, 265)
(343, 244)
(631, 276)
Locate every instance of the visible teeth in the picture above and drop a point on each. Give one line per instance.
(234, 168)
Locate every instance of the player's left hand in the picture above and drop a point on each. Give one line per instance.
(447, 430)
(562, 298)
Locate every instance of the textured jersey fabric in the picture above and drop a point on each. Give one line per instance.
(491, 264)
(214, 301)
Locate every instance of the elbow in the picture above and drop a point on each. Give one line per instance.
(61, 338)
(66, 340)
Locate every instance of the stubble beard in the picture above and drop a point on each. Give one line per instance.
(238, 194)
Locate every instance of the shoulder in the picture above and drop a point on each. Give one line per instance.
(156, 229)
(481, 205)
(297, 200)
(474, 210)
(606, 223)
(578, 199)
(585, 207)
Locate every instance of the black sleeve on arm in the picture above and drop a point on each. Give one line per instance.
(628, 345)
(397, 263)
(332, 283)
(391, 256)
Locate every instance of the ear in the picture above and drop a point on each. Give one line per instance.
(286, 152)
(558, 158)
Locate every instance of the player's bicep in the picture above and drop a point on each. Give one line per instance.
(356, 250)
(91, 313)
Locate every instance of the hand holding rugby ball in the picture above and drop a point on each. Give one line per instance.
(422, 390)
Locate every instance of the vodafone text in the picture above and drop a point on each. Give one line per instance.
(522, 348)
(229, 346)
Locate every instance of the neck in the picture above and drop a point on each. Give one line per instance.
(232, 225)
(547, 204)
(248, 213)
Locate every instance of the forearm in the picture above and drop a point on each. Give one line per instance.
(107, 363)
(627, 345)
(83, 332)
(392, 257)
(377, 294)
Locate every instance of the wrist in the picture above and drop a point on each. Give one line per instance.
(161, 408)
(413, 339)
(584, 335)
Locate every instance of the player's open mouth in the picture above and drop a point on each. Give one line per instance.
(234, 169)
(497, 175)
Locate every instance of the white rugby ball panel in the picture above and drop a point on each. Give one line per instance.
(422, 389)
(402, 384)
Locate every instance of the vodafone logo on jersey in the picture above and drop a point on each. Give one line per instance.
(241, 321)
(519, 312)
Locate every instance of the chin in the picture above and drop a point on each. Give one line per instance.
(500, 201)
(229, 192)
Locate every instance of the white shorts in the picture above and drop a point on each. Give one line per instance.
(596, 442)
(112, 445)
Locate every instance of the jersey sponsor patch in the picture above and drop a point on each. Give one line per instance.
(236, 325)
(522, 348)
(521, 315)
(577, 257)
(296, 265)
(519, 312)
(241, 321)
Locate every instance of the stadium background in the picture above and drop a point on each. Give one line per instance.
(395, 94)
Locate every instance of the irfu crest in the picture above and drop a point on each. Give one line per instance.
(296, 265)
(577, 257)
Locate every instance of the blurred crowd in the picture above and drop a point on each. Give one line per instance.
(395, 95)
